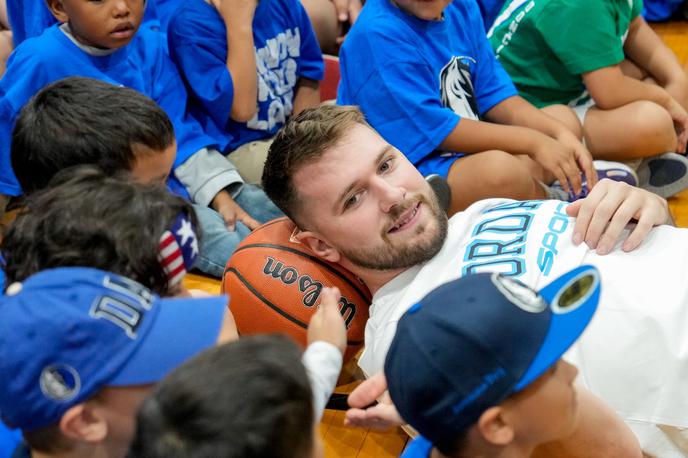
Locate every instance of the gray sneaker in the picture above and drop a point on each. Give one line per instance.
(664, 175)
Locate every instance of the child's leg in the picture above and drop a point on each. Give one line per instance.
(491, 174)
(256, 203)
(639, 129)
(566, 116)
(323, 16)
(217, 243)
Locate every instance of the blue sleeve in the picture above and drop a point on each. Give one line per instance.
(399, 99)
(28, 18)
(24, 76)
(492, 83)
(311, 63)
(170, 93)
(419, 447)
(201, 60)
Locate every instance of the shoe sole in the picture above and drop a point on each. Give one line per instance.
(665, 175)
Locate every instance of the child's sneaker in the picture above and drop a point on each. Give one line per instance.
(664, 175)
(615, 171)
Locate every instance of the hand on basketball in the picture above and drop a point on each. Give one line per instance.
(382, 415)
(231, 211)
(327, 323)
(611, 205)
(560, 160)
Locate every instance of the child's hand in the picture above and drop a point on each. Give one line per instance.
(347, 12)
(582, 156)
(680, 117)
(239, 11)
(327, 323)
(231, 211)
(560, 160)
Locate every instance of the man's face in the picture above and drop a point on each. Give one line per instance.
(423, 9)
(547, 409)
(105, 24)
(364, 199)
(152, 166)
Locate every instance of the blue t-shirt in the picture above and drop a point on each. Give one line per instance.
(142, 65)
(660, 10)
(419, 447)
(9, 441)
(29, 18)
(489, 9)
(415, 79)
(286, 49)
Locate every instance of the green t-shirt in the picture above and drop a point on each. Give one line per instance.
(546, 45)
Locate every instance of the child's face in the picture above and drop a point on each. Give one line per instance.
(423, 9)
(153, 166)
(105, 24)
(547, 409)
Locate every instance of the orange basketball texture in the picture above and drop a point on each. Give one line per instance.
(274, 285)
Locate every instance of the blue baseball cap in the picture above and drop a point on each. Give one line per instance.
(66, 333)
(473, 342)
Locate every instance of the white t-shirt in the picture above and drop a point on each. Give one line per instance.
(634, 354)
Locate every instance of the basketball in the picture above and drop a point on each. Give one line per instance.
(274, 285)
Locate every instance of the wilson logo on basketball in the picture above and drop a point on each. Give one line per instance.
(310, 289)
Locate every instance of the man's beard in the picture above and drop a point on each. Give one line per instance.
(390, 256)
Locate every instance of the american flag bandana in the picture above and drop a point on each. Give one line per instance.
(178, 249)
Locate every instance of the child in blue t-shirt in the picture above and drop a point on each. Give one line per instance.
(218, 46)
(426, 78)
(102, 40)
(29, 18)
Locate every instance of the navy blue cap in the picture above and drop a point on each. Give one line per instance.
(66, 333)
(473, 342)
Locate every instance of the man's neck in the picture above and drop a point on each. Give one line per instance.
(76, 452)
(376, 279)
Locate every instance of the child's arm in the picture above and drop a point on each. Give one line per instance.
(516, 111)
(307, 94)
(241, 57)
(326, 345)
(471, 136)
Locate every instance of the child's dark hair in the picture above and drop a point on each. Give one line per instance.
(249, 398)
(85, 218)
(78, 121)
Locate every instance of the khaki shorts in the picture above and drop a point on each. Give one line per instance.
(249, 159)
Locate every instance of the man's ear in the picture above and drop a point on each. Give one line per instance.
(57, 8)
(494, 428)
(317, 245)
(82, 423)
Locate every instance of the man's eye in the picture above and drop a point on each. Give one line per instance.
(351, 201)
(386, 165)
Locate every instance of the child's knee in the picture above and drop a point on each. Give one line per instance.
(652, 123)
(323, 17)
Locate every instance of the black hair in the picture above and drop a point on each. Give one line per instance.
(85, 218)
(250, 398)
(78, 121)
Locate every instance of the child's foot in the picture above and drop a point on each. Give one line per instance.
(664, 175)
(615, 171)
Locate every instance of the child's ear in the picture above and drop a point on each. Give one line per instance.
(57, 8)
(82, 423)
(317, 245)
(494, 428)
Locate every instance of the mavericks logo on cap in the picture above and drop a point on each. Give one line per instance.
(60, 382)
(519, 294)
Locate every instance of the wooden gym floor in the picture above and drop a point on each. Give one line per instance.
(342, 442)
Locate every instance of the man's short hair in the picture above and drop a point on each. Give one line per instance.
(85, 218)
(303, 140)
(249, 398)
(78, 121)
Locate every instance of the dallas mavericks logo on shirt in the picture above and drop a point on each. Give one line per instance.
(456, 87)
(277, 76)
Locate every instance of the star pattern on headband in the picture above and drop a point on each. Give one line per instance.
(186, 233)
